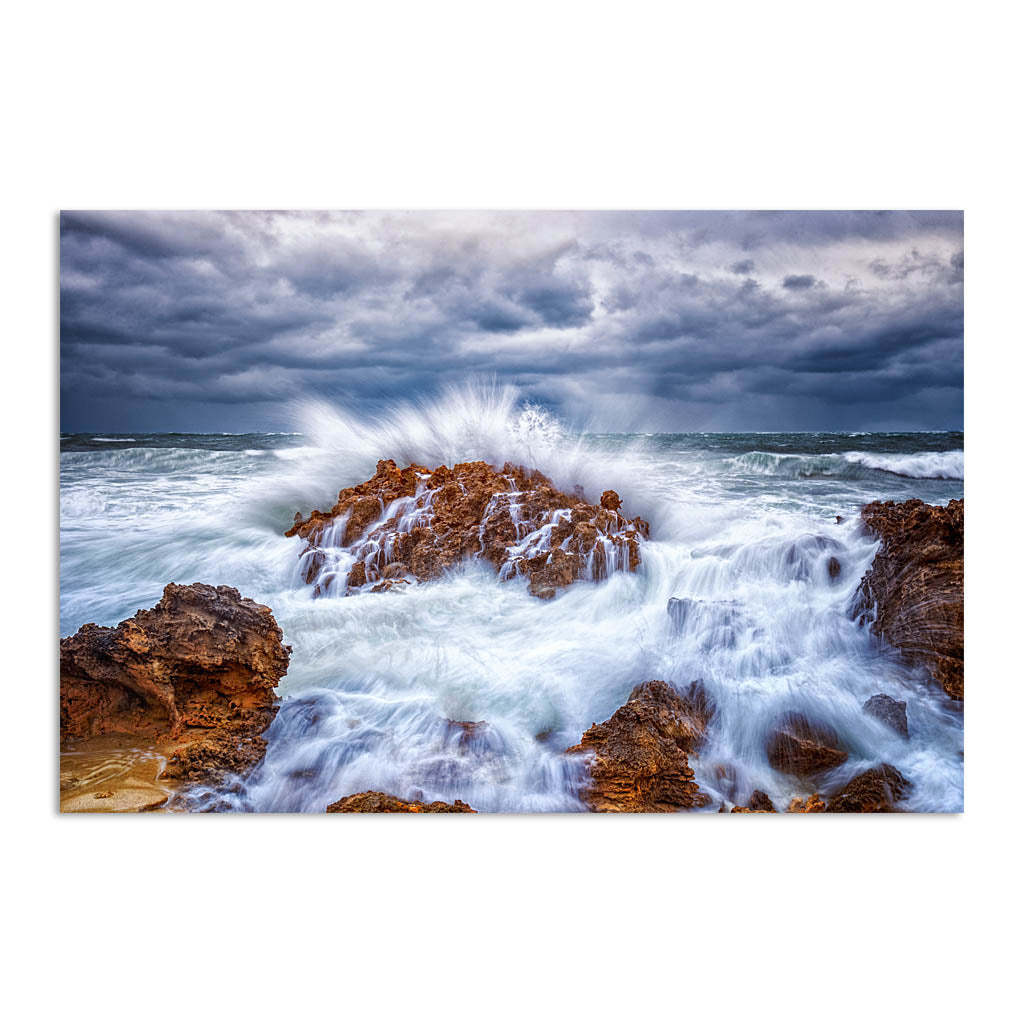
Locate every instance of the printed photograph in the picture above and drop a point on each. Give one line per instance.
(511, 512)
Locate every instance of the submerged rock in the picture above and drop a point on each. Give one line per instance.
(372, 802)
(801, 747)
(872, 792)
(464, 733)
(915, 586)
(759, 803)
(889, 710)
(419, 522)
(638, 758)
(199, 667)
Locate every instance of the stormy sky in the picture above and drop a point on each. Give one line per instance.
(616, 321)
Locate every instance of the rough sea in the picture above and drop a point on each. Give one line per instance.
(743, 525)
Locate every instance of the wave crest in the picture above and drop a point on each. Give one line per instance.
(853, 465)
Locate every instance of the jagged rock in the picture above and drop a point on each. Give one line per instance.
(200, 666)
(835, 568)
(759, 803)
(513, 518)
(810, 805)
(889, 710)
(638, 758)
(801, 747)
(372, 802)
(872, 792)
(915, 586)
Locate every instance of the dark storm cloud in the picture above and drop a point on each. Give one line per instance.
(646, 320)
(798, 281)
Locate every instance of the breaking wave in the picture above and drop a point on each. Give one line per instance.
(853, 465)
(920, 466)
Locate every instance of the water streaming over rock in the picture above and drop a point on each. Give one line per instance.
(746, 582)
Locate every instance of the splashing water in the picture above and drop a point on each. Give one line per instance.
(735, 588)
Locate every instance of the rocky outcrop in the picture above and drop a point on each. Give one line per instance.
(913, 594)
(417, 522)
(637, 760)
(889, 710)
(200, 668)
(372, 802)
(801, 747)
(872, 792)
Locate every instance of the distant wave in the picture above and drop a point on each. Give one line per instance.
(853, 465)
(921, 466)
(112, 440)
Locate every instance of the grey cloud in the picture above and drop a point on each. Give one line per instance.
(796, 281)
(215, 320)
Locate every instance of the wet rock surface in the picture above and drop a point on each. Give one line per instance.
(915, 586)
(372, 802)
(875, 791)
(638, 758)
(759, 803)
(417, 522)
(812, 804)
(889, 710)
(804, 748)
(195, 676)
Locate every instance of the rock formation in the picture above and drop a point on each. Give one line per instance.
(872, 792)
(801, 747)
(638, 758)
(875, 791)
(759, 803)
(810, 805)
(200, 668)
(419, 522)
(372, 802)
(889, 710)
(915, 587)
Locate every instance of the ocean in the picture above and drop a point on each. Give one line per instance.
(742, 525)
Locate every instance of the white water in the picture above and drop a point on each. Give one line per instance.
(375, 678)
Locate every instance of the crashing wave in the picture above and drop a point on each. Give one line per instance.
(947, 465)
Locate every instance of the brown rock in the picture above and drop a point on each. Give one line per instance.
(811, 805)
(801, 747)
(872, 792)
(639, 756)
(759, 803)
(889, 710)
(465, 732)
(469, 511)
(916, 583)
(372, 802)
(201, 665)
